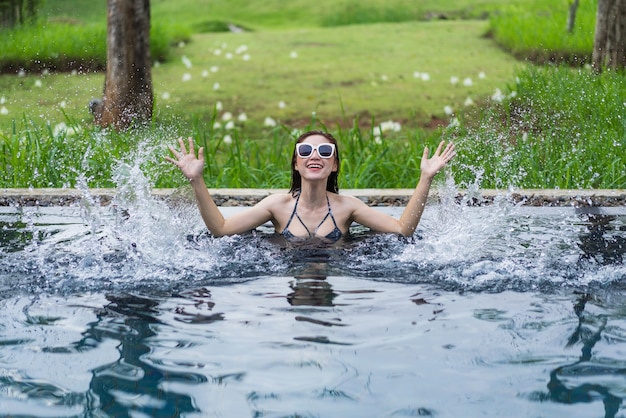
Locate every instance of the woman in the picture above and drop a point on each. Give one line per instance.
(313, 207)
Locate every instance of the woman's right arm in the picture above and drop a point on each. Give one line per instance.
(192, 167)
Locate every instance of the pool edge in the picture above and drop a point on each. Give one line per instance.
(375, 197)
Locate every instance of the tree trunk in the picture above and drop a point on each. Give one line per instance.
(17, 12)
(571, 17)
(128, 95)
(609, 49)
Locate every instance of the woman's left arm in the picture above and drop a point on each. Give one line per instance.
(429, 167)
(374, 219)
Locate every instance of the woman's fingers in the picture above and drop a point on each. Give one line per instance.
(183, 150)
(449, 152)
(191, 147)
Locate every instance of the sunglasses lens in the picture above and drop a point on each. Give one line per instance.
(325, 151)
(305, 150)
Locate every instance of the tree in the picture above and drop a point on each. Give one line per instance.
(128, 96)
(571, 16)
(17, 12)
(609, 48)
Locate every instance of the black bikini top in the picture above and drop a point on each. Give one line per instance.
(334, 235)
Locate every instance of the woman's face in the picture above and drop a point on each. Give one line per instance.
(315, 167)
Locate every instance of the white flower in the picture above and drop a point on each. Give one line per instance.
(497, 96)
(228, 139)
(186, 77)
(242, 117)
(240, 49)
(165, 95)
(293, 54)
(389, 126)
(218, 106)
(469, 102)
(269, 122)
(214, 69)
(186, 61)
(482, 75)
(425, 76)
(467, 82)
(281, 105)
(384, 77)
(229, 56)
(377, 139)
(513, 94)
(205, 74)
(417, 74)
(45, 72)
(218, 51)
(227, 116)
(4, 110)
(454, 123)
(59, 129)
(181, 44)
(38, 83)
(75, 72)
(229, 125)
(246, 57)
(217, 125)
(21, 73)
(3, 100)
(448, 110)
(63, 104)
(73, 130)
(216, 86)
(454, 79)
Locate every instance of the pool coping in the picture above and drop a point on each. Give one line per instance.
(374, 197)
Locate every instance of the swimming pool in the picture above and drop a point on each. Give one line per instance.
(131, 309)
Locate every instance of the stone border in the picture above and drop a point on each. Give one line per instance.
(373, 197)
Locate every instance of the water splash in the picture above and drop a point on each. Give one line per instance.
(141, 242)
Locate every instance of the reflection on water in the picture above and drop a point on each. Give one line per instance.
(131, 385)
(604, 243)
(499, 311)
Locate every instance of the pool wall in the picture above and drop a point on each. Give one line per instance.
(374, 197)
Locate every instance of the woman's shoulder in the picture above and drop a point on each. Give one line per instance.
(345, 200)
(276, 198)
(344, 197)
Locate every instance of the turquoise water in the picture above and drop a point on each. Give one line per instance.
(133, 310)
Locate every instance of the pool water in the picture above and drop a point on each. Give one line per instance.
(132, 309)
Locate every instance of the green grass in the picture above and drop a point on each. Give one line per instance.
(340, 73)
(536, 30)
(565, 129)
(279, 14)
(63, 46)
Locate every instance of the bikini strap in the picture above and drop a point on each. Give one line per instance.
(330, 212)
(295, 208)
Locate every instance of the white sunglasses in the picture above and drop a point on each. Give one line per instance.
(325, 150)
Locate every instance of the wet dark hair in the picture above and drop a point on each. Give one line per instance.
(296, 180)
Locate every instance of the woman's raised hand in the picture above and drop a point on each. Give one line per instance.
(191, 166)
(431, 166)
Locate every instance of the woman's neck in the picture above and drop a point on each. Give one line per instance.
(313, 194)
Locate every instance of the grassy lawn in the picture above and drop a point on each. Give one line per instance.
(386, 71)
(262, 15)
